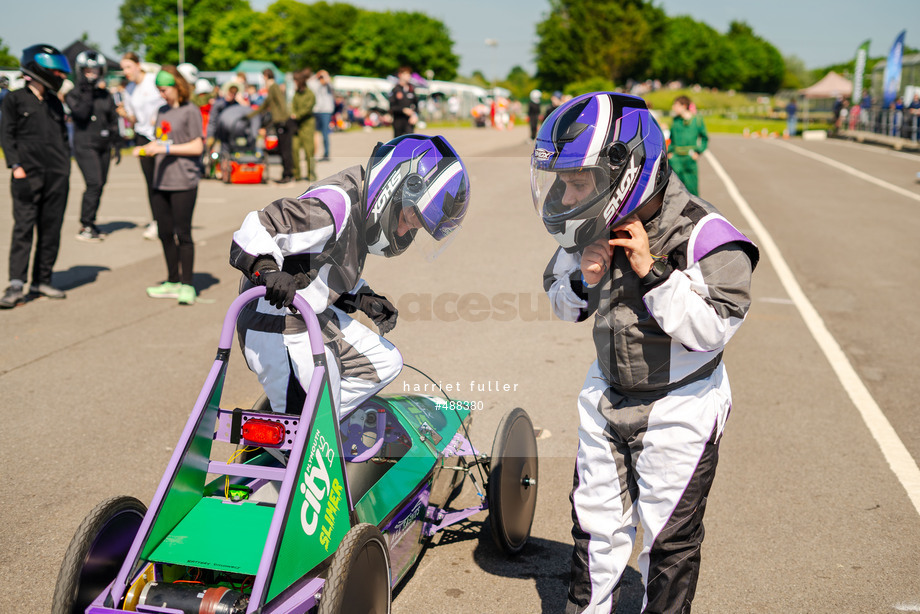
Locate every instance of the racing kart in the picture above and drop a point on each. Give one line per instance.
(307, 515)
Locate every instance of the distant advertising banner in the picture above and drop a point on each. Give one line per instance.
(892, 79)
(861, 54)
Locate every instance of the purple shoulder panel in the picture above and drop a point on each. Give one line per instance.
(714, 231)
(335, 200)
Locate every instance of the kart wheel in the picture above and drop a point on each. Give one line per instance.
(358, 580)
(96, 553)
(512, 488)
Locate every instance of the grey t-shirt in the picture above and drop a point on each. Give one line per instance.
(175, 126)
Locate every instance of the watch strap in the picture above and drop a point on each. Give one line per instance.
(658, 274)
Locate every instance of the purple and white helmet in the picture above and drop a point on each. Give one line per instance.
(414, 171)
(613, 137)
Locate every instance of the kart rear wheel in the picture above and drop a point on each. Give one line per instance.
(512, 488)
(96, 553)
(358, 580)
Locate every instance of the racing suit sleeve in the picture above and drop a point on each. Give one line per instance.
(80, 101)
(570, 300)
(288, 227)
(703, 305)
(8, 131)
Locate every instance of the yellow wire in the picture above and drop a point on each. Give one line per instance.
(233, 456)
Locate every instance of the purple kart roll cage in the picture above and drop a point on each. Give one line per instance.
(301, 594)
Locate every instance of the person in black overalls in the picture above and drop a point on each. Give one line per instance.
(403, 104)
(95, 131)
(34, 140)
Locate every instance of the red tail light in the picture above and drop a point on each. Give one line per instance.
(266, 433)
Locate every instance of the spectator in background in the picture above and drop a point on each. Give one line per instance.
(897, 115)
(792, 119)
(95, 133)
(233, 125)
(253, 95)
(142, 101)
(403, 103)
(321, 84)
(844, 113)
(688, 140)
(34, 141)
(453, 107)
(302, 113)
(865, 106)
(125, 131)
(554, 101)
(229, 98)
(339, 118)
(204, 99)
(838, 105)
(914, 118)
(4, 90)
(177, 169)
(533, 113)
(275, 105)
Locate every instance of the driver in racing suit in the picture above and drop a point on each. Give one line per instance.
(668, 281)
(315, 245)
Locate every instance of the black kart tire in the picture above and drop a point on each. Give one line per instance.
(358, 579)
(512, 487)
(96, 553)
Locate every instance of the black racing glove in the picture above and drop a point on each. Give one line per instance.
(380, 310)
(280, 286)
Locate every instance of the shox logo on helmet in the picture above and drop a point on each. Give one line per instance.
(386, 193)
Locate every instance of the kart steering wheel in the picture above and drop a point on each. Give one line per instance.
(381, 431)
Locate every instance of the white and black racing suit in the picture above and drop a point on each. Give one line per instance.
(654, 402)
(319, 234)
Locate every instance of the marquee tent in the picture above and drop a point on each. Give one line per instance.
(831, 86)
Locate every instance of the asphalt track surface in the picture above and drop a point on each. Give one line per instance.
(806, 513)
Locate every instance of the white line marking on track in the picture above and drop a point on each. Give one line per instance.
(907, 607)
(899, 459)
(850, 170)
(879, 149)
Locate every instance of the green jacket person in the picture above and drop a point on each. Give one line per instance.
(688, 141)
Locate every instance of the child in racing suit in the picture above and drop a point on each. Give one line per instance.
(316, 245)
(668, 281)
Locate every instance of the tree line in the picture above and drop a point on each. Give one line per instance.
(339, 37)
(620, 40)
(579, 44)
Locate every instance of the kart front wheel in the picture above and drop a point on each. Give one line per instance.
(358, 581)
(512, 488)
(96, 553)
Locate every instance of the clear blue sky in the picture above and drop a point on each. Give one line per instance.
(819, 32)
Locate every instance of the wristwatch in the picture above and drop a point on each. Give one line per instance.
(660, 271)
